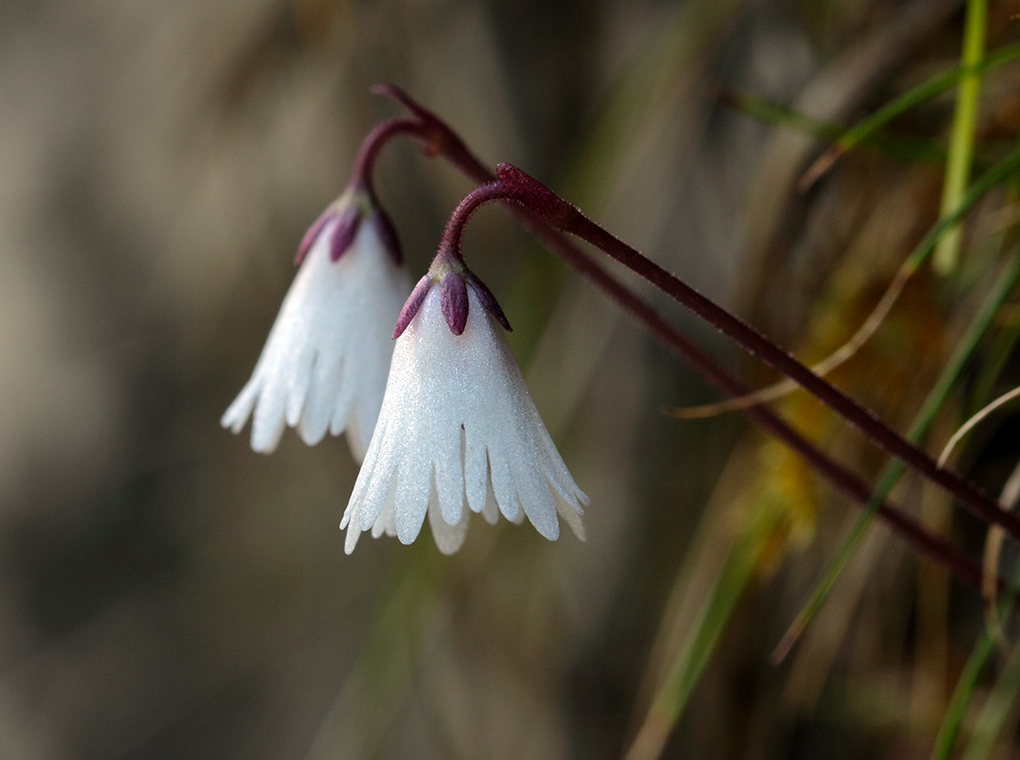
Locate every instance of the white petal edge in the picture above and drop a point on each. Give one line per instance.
(457, 406)
(325, 362)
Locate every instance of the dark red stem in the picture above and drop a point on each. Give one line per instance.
(758, 345)
(843, 479)
(454, 231)
(846, 481)
(364, 163)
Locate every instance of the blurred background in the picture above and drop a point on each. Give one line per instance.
(167, 593)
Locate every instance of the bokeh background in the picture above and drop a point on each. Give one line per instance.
(167, 593)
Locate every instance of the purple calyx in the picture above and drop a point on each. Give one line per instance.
(343, 220)
(346, 229)
(453, 299)
(387, 233)
(449, 272)
(412, 304)
(313, 234)
(488, 300)
(345, 217)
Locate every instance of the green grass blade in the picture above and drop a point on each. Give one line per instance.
(996, 710)
(912, 98)
(992, 178)
(961, 140)
(960, 700)
(692, 658)
(922, 422)
(964, 691)
(922, 93)
(360, 720)
(905, 148)
(999, 352)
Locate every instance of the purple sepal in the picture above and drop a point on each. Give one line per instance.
(387, 233)
(413, 303)
(313, 234)
(453, 297)
(489, 301)
(345, 231)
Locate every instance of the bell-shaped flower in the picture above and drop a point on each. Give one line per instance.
(458, 432)
(325, 363)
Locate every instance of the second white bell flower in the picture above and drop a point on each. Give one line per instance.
(458, 431)
(325, 363)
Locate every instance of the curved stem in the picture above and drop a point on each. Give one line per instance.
(961, 139)
(454, 231)
(842, 478)
(569, 219)
(364, 163)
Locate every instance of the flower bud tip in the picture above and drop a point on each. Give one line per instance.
(387, 233)
(344, 232)
(454, 302)
(312, 235)
(412, 305)
(489, 301)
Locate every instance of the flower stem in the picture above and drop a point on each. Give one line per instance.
(918, 430)
(839, 476)
(842, 478)
(364, 163)
(568, 218)
(454, 231)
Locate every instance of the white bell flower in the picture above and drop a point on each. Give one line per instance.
(325, 363)
(458, 431)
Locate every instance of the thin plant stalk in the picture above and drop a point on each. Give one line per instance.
(910, 99)
(996, 709)
(690, 661)
(974, 421)
(904, 148)
(992, 555)
(921, 253)
(984, 318)
(998, 354)
(961, 139)
(568, 218)
(960, 701)
(439, 139)
(964, 691)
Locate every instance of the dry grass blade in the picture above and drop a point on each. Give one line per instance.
(973, 422)
(993, 550)
(993, 544)
(917, 257)
(785, 387)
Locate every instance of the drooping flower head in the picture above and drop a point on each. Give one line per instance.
(325, 362)
(458, 431)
